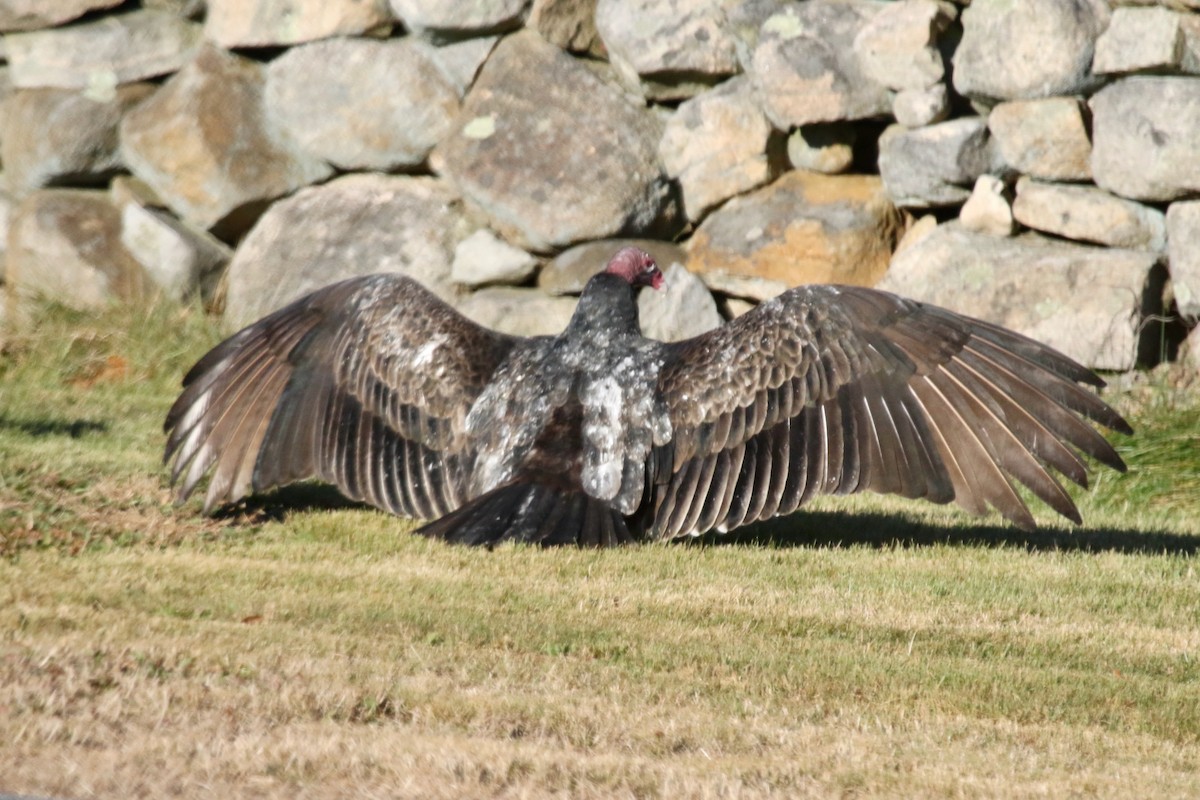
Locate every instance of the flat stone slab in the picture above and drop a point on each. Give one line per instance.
(1088, 302)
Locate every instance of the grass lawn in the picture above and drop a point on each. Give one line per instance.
(299, 646)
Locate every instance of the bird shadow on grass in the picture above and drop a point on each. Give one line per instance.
(880, 530)
(812, 529)
(39, 428)
(279, 504)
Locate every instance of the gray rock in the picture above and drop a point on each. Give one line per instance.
(1088, 214)
(354, 225)
(56, 136)
(359, 116)
(803, 228)
(987, 210)
(745, 21)
(933, 166)
(1145, 136)
(671, 43)
(914, 108)
(822, 148)
(1035, 48)
(567, 24)
(715, 145)
(683, 308)
(804, 66)
(551, 154)
(120, 48)
(1140, 39)
(65, 245)
(30, 15)
(567, 272)
(181, 260)
(518, 312)
(482, 259)
(270, 23)
(1043, 138)
(1087, 302)
(201, 142)
(459, 62)
(458, 17)
(897, 48)
(1183, 237)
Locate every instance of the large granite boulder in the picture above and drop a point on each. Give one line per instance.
(1030, 49)
(667, 48)
(1088, 302)
(63, 136)
(805, 68)
(1145, 137)
(551, 153)
(203, 144)
(121, 48)
(355, 225)
(359, 116)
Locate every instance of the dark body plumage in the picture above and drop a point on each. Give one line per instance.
(600, 436)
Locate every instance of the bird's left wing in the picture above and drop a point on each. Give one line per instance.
(829, 389)
(365, 383)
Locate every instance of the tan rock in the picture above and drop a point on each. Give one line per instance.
(567, 24)
(804, 228)
(1088, 214)
(98, 55)
(62, 135)
(201, 143)
(65, 246)
(31, 15)
(1043, 138)
(716, 146)
(260, 23)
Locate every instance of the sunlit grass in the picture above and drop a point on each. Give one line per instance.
(297, 648)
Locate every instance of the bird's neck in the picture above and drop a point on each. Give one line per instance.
(607, 311)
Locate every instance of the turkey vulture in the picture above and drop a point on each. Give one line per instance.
(599, 436)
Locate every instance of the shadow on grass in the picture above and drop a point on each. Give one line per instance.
(278, 504)
(873, 529)
(76, 428)
(806, 528)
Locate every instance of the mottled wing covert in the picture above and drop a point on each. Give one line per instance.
(830, 389)
(365, 384)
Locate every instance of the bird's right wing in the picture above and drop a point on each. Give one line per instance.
(365, 383)
(831, 389)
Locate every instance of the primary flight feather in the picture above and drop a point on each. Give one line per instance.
(600, 436)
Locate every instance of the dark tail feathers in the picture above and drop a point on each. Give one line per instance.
(524, 512)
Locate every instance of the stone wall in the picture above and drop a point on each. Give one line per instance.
(1031, 163)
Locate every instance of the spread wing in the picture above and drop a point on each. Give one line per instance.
(831, 389)
(365, 384)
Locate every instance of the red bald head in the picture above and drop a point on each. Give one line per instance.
(636, 267)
